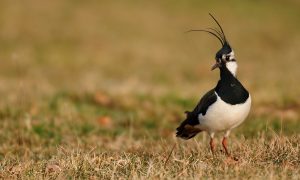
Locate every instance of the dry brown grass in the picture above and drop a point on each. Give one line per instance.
(276, 157)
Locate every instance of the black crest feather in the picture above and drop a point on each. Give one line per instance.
(219, 34)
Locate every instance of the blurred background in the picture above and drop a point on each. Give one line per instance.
(86, 71)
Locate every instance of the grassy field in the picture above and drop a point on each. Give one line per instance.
(95, 89)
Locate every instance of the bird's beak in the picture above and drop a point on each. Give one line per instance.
(216, 66)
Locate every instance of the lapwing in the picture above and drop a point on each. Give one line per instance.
(224, 107)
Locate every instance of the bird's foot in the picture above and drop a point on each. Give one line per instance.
(229, 156)
(230, 160)
(233, 158)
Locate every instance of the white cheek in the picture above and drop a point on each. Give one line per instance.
(232, 67)
(231, 55)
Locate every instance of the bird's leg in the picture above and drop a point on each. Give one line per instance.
(211, 143)
(224, 143)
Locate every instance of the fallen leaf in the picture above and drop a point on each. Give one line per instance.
(33, 110)
(52, 168)
(102, 99)
(93, 177)
(105, 121)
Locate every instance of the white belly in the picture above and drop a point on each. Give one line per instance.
(222, 116)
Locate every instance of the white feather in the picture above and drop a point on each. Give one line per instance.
(222, 116)
(232, 67)
(231, 55)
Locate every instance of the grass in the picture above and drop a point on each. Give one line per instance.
(95, 89)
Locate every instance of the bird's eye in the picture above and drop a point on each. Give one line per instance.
(227, 58)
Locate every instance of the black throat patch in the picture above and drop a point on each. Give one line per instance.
(229, 89)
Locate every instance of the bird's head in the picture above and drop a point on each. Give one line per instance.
(225, 59)
(225, 56)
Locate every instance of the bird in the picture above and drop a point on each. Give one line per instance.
(224, 107)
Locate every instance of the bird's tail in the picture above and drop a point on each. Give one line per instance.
(186, 131)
